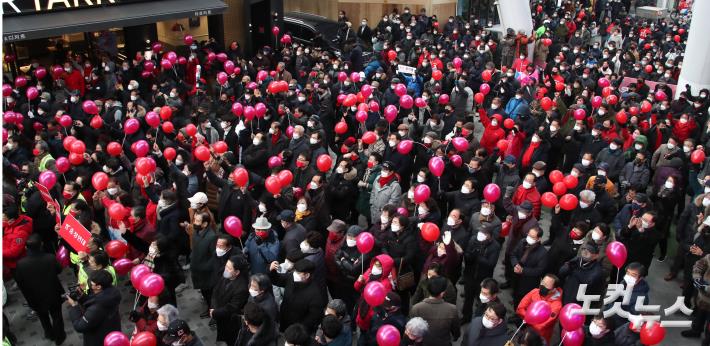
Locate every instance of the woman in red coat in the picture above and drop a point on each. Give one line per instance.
(16, 229)
(683, 127)
(492, 130)
(382, 270)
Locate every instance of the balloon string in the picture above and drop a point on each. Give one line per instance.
(135, 300)
(617, 275)
(563, 339)
(516, 331)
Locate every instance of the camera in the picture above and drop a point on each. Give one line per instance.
(74, 293)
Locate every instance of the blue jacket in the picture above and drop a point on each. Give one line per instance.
(261, 253)
(515, 107)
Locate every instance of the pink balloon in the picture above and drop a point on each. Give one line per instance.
(421, 193)
(32, 93)
(419, 102)
(365, 242)
(20, 81)
(151, 285)
(484, 88)
(374, 293)
(62, 164)
(366, 90)
(573, 337)
(6, 90)
(261, 75)
(229, 67)
(260, 109)
(405, 146)
(141, 148)
(275, 30)
(603, 82)
(538, 312)
(443, 99)
(116, 339)
(166, 64)
(62, 256)
(660, 95)
(152, 119)
(460, 143)
(579, 114)
(48, 179)
(222, 78)
(249, 112)
(456, 160)
(65, 121)
(406, 101)
(222, 57)
(131, 126)
(361, 116)
(571, 316)
(237, 109)
(388, 335)
(340, 98)
(275, 161)
(172, 57)
(458, 62)
(253, 85)
(374, 106)
(211, 56)
(596, 101)
(137, 273)
(233, 226)
(157, 47)
(491, 192)
(436, 166)
(41, 72)
(403, 211)
(122, 265)
(342, 76)
(355, 77)
(149, 66)
(390, 113)
(188, 39)
(616, 252)
(400, 89)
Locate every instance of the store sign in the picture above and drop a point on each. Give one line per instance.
(24, 7)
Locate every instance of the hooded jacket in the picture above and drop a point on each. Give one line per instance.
(97, 315)
(365, 311)
(554, 298)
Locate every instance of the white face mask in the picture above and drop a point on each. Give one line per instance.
(494, 122)
(304, 247)
(487, 323)
(638, 147)
(668, 185)
(256, 141)
(152, 305)
(296, 135)
(162, 326)
(220, 252)
(313, 141)
(526, 185)
(392, 143)
(613, 146)
(645, 224)
(522, 216)
(253, 293)
(594, 329)
(630, 280)
(536, 139)
(350, 242)
(410, 194)
(421, 210)
(596, 236)
(395, 227)
(313, 185)
(384, 219)
(420, 179)
(670, 145)
(297, 277)
(586, 163)
(484, 299)
(465, 190)
(480, 236)
(687, 149)
(485, 211)
(262, 208)
(574, 173)
(133, 98)
(450, 221)
(706, 202)
(376, 270)
(583, 205)
(553, 128)
(227, 274)
(601, 172)
(530, 240)
(402, 133)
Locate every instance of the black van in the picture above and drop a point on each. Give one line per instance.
(311, 29)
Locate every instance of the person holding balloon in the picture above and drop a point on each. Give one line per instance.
(380, 274)
(548, 291)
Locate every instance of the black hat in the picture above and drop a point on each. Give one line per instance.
(388, 165)
(392, 300)
(286, 215)
(591, 247)
(527, 206)
(304, 266)
(354, 231)
(176, 330)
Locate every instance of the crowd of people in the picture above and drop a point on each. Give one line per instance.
(325, 199)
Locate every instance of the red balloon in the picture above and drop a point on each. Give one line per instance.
(274, 161)
(421, 193)
(369, 137)
(645, 106)
(65, 121)
(573, 337)
(437, 75)
(484, 88)
(260, 109)
(546, 103)
(538, 312)
(365, 242)
(648, 68)
(580, 114)
(660, 95)
(116, 212)
(652, 335)
(32, 93)
(436, 166)
(20, 81)
(249, 112)
(116, 339)
(151, 285)
(168, 127)
(697, 157)
(374, 293)
(374, 106)
(508, 123)
(606, 91)
(456, 160)
(596, 101)
(157, 47)
(240, 176)
(419, 102)
(406, 101)
(479, 97)
(486, 75)
(324, 163)
(286, 39)
(568, 202)
(491, 192)
(89, 107)
(222, 78)
(96, 122)
(285, 178)
(233, 226)
(549, 199)
(621, 117)
(570, 181)
(62, 256)
(556, 176)
(202, 153)
(460, 143)
(48, 179)
(457, 62)
(342, 127)
(390, 113)
(100, 181)
(220, 147)
(559, 188)
(191, 130)
(603, 82)
(76, 159)
(366, 90)
(78, 147)
(6, 90)
(273, 185)
(140, 148)
(166, 64)
(122, 266)
(502, 145)
(40, 72)
(388, 335)
(166, 112)
(137, 273)
(152, 119)
(616, 252)
(131, 126)
(430, 232)
(169, 153)
(145, 165)
(350, 100)
(144, 339)
(405, 147)
(114, 149)
(400, 89)
(62, 164)
(443, 99)
(391, 55)
(633, 110)
(116, 249)
(571, 316)
(275, 30)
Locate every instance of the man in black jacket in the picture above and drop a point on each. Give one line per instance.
(529, 261)
(481, 256)
(96, 315)
(584, 269)
(37, 276)
(640, 237)
(229, 296)
(302, 300)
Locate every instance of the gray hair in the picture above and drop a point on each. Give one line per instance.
(338, 305)
(588, 195)
(169, 311)
(418, 327)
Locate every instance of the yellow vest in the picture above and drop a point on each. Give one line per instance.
(43, 162)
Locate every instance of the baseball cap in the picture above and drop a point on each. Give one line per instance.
(337, 226)
(176, 330)
(510, 159)
(199, 197)
(286, 215)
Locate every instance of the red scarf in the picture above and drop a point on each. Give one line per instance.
(527, 156)
(386, 180)
(275, 138)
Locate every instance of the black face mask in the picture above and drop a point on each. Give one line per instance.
(544, 291)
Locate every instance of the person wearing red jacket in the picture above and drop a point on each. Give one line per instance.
(492, 130)
(683, 127)
(16, 229)
(528, 192)
(73, 79)
(550, 292)
(382, 270)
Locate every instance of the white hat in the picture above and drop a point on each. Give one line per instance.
(261, 223)
(199, 198)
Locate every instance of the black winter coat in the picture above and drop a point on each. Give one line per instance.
(534, 266)
(37, 276)
(481, 258)
(302, 302)
(97, 315)
(228, 300)
(255, 158)
(233, 202)
(574, 274)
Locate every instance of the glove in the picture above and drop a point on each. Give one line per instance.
(447, 238)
